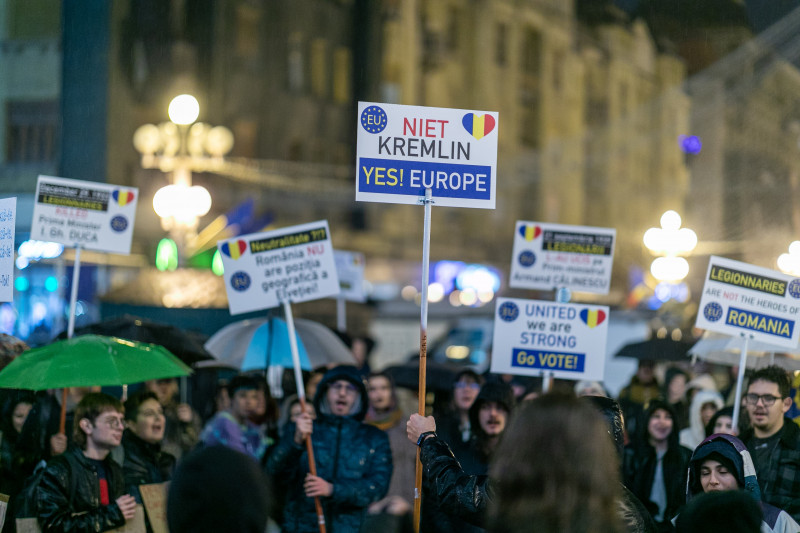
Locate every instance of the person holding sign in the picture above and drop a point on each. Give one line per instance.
(353, 459)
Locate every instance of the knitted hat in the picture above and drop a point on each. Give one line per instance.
(730, 511)
(494, 391)
(734, 454)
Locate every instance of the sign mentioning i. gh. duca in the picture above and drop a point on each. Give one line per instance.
(549, 256)
(293, 264)
(404, 150)
(743, 299)
(93, 215)
(8, 218)
(532, 338)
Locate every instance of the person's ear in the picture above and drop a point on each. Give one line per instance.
(86, 426)
(787, 404)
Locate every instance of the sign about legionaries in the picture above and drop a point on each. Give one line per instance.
(8, 218)
(404, 150)
(739, 298)
(350, 269)
(532, 338)
(293, 264)
(93, 215)
(550, 256)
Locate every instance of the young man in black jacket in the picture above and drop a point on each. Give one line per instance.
(85, 491)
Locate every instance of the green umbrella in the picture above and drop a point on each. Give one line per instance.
(90, 360)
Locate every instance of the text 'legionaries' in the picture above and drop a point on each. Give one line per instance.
(747, 280)
(284, 241)
(577, 243)
(76, 197)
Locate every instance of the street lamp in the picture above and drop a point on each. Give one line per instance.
(182, 146)
(670, 242)
(790, 263)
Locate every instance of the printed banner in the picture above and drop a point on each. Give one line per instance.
(743, 299)
(8, 218)
(533, 337)
(403, 150)
(550, 256)
(350, 269)
(293, 264)
(93, 215)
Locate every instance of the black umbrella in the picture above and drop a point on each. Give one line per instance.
(186, 345)
(438, 376)
(656, 350)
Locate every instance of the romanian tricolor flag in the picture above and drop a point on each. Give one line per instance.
(122, 197)
(234, 249)
(529, 232)
(593, 318)
(478, 126)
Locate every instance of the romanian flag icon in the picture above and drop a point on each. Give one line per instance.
(234, 249)
(593, 318)
(122, 197)
(478, 126)
(529, 232)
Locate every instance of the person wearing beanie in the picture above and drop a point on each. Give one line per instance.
(217, 489)
(722, 463)
(353, 459)
(730, 511)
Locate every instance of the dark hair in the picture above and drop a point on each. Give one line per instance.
(90, 407)
(135, 401)
(612, 413)
(556, 468)
(14, 399)
(382, 374)
(733, 511)
(725, 411)
(242, 382)
(474, 376)
(670, 374)
(773, 374)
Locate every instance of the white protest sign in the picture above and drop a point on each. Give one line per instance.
(547, 256)
(402, 150)
(94, 215)
(532, 337)
(350, 269)
(8, 218)
(739, 298)
(293, 264)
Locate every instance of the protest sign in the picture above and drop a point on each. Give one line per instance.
(134, 525)
(350, 269)
(154, 498)
(293, 264)
(8, 217)
(548, 256)
(95, 216)
(533, 337)
(402, 150)
(743, 299)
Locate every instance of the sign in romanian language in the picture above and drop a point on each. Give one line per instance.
(95, 216)
(8, 218)
(294, 264)
(350, 269)
(549, 256)
(404, 150)
(534, 337)
(739, 298)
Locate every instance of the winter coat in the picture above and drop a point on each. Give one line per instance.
(696, 432)
(144, 463)
(355, 457)
(774, 520)
(85, 514)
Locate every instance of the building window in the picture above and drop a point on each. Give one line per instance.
(342, 75)
(453, 29)
(319, 68)
(296, 77)
(500, 45)
(530, 76)
(32, 129)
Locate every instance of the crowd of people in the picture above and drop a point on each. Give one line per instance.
(498, 455)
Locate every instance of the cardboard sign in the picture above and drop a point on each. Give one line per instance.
(293, 264)
(135, 525)
(533, 337)
(549, 256)
(350, 269)
(402, 150)
(154, 497)
(94, 215)
(743, 299)
(8, 218)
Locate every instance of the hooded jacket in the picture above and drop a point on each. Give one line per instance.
(353, 456)
(696, 432)
(733, 451)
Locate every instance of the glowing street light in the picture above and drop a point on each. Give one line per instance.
(670, 242)
(790, 263)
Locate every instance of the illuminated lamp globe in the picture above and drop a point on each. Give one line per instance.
(671, 220)
(182, 202)
(669, 268)
(184, 109)
(790, 263)
(147, 139)
(219, 141)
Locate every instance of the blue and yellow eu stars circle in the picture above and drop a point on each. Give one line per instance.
(373, 119)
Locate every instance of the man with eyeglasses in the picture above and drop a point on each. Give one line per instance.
(83, 489)
(353, 459)
(774, 439)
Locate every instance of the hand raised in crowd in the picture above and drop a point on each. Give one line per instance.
(417, 425)
(127, 505)
(184, 413)
(304, 427)
(58, 444)
(316, 486)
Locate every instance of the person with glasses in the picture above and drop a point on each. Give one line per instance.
(83, 489)
(454, 424)
(353, 459)
(773, 439)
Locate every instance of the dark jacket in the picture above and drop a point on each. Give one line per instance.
(144, 463)
(780, 483)
(84, 513)
(353, 456)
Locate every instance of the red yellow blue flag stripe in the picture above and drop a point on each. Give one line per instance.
(593, 318)
(234, 249)
(122, 197)
(529, 232)
(478, 126)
